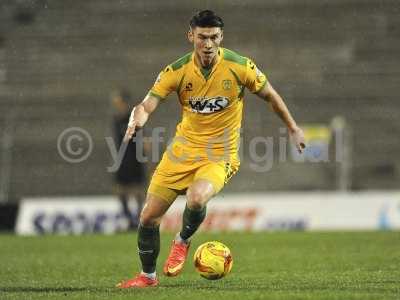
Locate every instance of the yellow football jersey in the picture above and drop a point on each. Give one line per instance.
(212, 102)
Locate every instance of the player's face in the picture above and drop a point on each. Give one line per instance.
(206, 42)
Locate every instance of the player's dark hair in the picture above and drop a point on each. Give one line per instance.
(206, 18)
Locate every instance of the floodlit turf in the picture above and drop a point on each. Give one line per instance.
(266, 266)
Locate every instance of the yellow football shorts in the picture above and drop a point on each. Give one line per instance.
(172, 176)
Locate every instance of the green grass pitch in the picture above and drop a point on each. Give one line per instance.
(281, 265)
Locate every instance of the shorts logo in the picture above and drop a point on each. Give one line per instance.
(227, 84)
(204, 105)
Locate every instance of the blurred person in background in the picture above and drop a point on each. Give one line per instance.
(210, 82)
(130, 178)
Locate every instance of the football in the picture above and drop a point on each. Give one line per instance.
(213, 260)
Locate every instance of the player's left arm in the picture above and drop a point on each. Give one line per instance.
(269, 94)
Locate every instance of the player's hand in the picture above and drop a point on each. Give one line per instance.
(130, 131)
(297, 137)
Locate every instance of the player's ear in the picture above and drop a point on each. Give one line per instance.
(190, 35)
(222, 35)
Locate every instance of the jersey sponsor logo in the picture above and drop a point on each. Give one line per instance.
(205, 105)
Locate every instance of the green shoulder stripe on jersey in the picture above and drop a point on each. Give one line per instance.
(234, 57)
(181, 62)
(156, 96)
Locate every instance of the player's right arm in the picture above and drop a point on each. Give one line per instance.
(166, 82)
(140, 114)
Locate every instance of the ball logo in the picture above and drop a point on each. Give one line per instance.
(206, 105)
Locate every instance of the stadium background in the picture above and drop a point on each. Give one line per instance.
(59, 60)
(331, 60)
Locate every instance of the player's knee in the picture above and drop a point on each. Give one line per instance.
(196, 199)
(149, 220)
